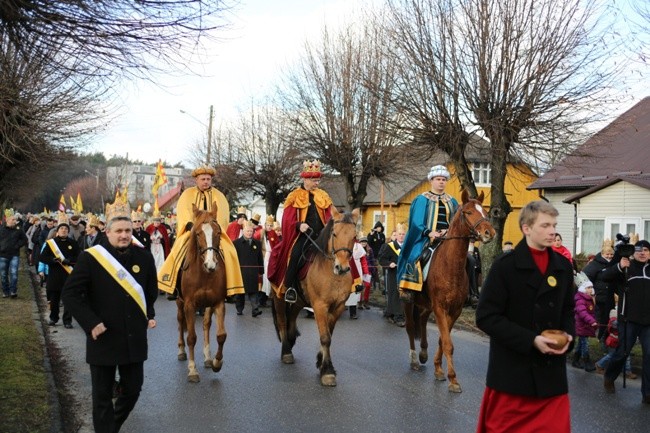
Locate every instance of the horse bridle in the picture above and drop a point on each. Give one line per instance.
(473, 233)
(217, 250)
(334, 251)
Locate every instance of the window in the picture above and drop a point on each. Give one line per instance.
(377, 216)
(481, 173)
(592, 235)
(646, 230)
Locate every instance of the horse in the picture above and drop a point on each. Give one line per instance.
(446, 287)
(326, 287)
(203, 285)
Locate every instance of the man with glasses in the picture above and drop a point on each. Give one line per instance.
(140, 235)
(306, 211)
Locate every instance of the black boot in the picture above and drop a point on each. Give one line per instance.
(577, 361)
(589, 366)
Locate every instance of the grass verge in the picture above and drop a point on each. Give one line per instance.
(25, 402)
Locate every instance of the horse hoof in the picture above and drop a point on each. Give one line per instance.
(216, 365)
(328, 380)
(416, 367)
(423, 358)
(454, 387)
(287, 358)
(207, 363)
(193, 378)
(182, 357)
(440, 377)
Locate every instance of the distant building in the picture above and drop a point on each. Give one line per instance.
(139, 181)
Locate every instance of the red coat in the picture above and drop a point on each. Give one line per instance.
(233, 230)
(163, 230)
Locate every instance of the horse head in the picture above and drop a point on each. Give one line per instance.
(475, 218)
(341, 236)
(206, 233)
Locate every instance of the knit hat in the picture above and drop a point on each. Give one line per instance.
(641, 244)
(582, 288)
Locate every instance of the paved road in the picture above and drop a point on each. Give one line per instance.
(376, 392)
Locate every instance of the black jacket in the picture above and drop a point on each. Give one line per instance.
(516, 304)
(594, 271)
(251, 262)
(12, 239)
(636, 292)
(144, 238)
(93, 296)
(57, 275)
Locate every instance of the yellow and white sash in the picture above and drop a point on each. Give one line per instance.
(120, 274)
(135, 241)
(58, 254)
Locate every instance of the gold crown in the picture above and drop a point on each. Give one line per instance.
(62, 218)
(241, 210)
(118, 209)
(93, 221)
(270, 219)
(257, 217)
(137, 215)
(248, 225)
(156, 214)
(311, 169)
(9, 213)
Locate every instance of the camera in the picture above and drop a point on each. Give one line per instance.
(623, 246)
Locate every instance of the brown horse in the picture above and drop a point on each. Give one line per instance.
(446, 287)
(203, 285)
(326, 288)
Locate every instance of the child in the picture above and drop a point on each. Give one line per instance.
(586, 323)
(612, 343)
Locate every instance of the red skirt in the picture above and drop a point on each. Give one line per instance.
(508, 413)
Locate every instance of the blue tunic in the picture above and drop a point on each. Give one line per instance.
(429, 212)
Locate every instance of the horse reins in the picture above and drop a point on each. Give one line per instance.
(473, 233)
(334, 251)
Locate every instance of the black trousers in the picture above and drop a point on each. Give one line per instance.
(295, 262)
(108, 418)
(54, 300)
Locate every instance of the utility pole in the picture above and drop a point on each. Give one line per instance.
(209, 135)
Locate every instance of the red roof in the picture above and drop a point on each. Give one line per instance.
(621, 149)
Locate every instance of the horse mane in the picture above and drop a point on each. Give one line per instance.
(323, 238)
(192, 247)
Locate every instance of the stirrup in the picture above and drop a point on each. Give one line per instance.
(291, 296)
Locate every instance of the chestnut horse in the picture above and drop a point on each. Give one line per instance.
(326, 288)
(446, 287)
(203, 285)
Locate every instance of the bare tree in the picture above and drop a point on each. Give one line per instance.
(269, 159)
(113, 39)
(338, 97)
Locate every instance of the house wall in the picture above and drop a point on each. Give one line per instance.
(565, 221)
(515, 185)
(622, 203)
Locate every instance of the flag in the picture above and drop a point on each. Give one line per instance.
(80, 206)
(159, 179)
(73, 205)
(62, 203)
(156, 209)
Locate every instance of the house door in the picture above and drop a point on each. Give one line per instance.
(621, 225)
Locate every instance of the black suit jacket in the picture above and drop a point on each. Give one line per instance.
(93, 296)
(516, 304)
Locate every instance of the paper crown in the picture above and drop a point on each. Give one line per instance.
(156, 215)
(203, 170)
(9, 213)
(118, 209)
(256, 217)
(248, 225)
(93, 221)
(277, 226)
(270, 219)
(62, 219)
(311, 169)
(137, 216)
(241, 210)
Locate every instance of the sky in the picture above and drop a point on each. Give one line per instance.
(264, 38)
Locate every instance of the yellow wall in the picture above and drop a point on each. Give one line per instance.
(518, 196)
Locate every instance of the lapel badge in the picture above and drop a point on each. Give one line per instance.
(135, 269)
(69, 247)
(121, 274)
(551, 281)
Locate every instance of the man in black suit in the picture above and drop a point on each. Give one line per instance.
(111, 293)
(251, 260)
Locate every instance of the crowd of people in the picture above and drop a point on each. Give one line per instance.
(86, 260)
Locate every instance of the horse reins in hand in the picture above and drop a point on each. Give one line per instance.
(473, 233)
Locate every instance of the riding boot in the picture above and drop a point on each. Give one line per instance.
(577, 361)
(406, 296)
(589, 366)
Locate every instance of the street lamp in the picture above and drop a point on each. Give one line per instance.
(209, 126)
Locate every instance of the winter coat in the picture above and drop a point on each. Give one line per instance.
(251, 262)
(57, 274)
(12, 239)
(594, 271)
(517, 303)
(637, 295)
(585, 315)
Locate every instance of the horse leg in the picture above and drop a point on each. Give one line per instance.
(423, 319)
(280, 319)
(180, 317)
(193, 374)
(410, 331)
(207, 322)
(221, 336)
(323, 359)
(446, 347)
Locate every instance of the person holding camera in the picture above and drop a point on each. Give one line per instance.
(634, 314)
